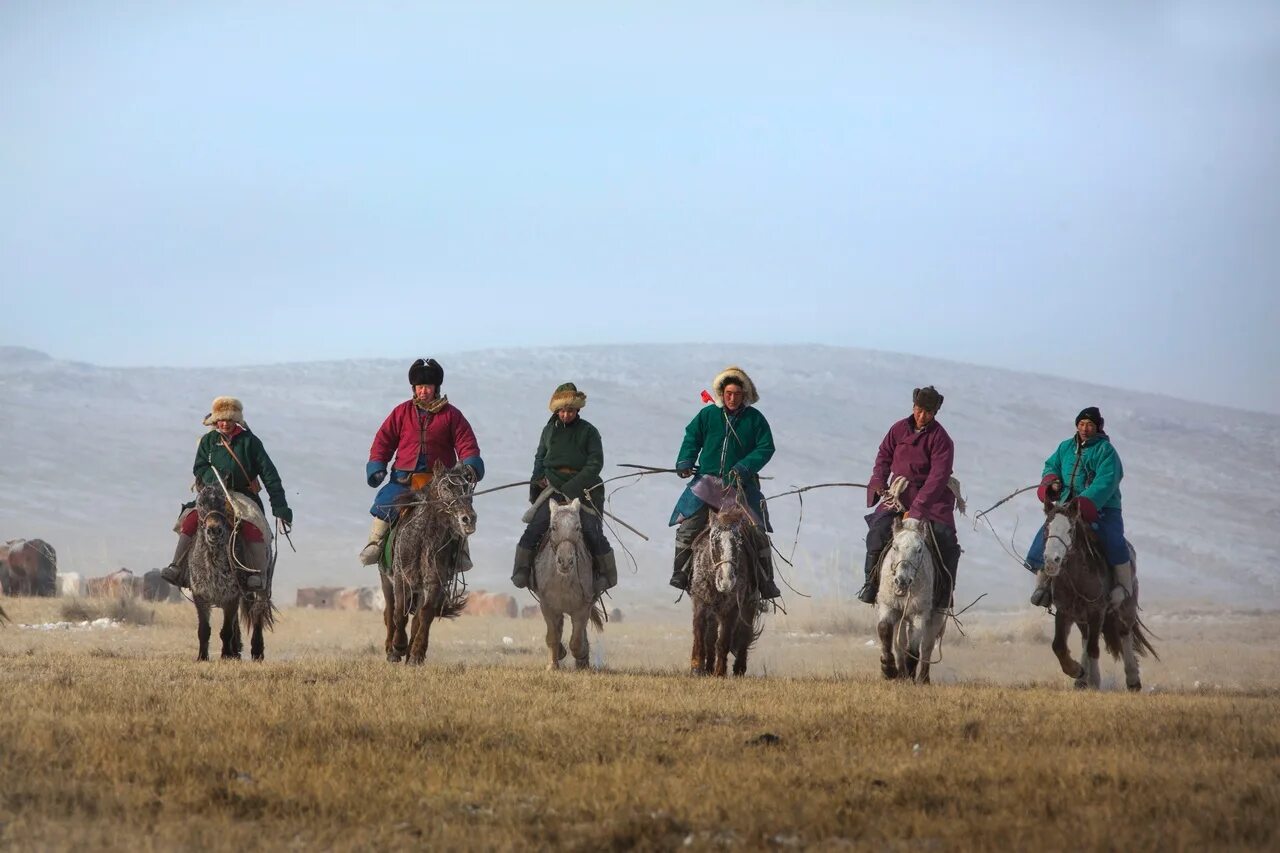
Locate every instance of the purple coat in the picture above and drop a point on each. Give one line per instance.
(925, 459)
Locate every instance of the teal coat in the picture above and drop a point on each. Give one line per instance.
(210, 455)
(1097, 475)
(719, 442)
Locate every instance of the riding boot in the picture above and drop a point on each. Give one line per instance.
(372, 551)
(680, 574)
(1043, 594)
(177, 572)
(257, 559)
(768, 589)
(1123, 590)
(869, 590)
(523, 567)
(605, 574)
(464, 556)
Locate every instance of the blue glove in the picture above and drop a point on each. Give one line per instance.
(375, 472)
(476, 464)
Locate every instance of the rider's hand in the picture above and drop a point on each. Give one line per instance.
(684, 473)
(284, 513)
(535, 491)
(375, 473)
(1050, 487)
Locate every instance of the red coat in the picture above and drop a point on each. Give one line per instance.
(448, 437)
(925, 458)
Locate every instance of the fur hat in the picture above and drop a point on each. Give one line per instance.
(567, 396)
(1090, 413)
(426, 372)
(927, 398)
(735, 375)
(225, 409)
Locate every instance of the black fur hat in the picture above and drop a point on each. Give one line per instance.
(927, 398)
(1090, 413)
(426, 372)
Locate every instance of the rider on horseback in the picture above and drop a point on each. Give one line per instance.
(419, 432)
(725, 445)
(1088, 468)
(238, 457)
(912, 479)
(567, 465)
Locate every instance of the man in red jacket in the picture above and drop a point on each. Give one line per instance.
(419, 432)
(911, 479)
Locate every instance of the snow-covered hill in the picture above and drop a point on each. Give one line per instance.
(96, 460)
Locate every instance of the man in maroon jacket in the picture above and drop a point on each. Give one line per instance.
(911, 479)
(419, 432)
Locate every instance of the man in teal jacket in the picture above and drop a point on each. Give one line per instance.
(730, 441)
(1086, 468)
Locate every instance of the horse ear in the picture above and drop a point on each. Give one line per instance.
(575, 504)
(436, 468)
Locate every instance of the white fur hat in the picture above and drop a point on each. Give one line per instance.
(740, 377)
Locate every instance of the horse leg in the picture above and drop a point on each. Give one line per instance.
(389, 616)
(1093, 672)
(697, 658)
(400, 639)
(555, 630)
(257, 644)
(578, 642)
(1061, 631)
(230, 627)
(913, 631)
(723, 630)
(928, 636)
(1132, 678)
(742, 635)
(422, 632)
(885, 630)
(203, 628)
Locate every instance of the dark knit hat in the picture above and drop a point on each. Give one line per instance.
(426, 372)
(1090, 413)
(927, 398)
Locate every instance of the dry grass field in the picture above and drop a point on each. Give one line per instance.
(114, 738)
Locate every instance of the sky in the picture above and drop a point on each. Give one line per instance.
(1089, 190)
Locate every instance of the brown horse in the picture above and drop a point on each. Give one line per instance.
(430, 540)
(725, 594)
(32, 568)
(1081, 583)
(217, 579)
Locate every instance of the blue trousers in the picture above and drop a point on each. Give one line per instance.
(384, 502)
(1110, 529)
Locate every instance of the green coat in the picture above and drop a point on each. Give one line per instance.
(210, 454)
(717, 449)
(576, 447)
(1097, 476)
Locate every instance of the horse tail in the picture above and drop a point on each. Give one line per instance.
(1140, 641)
(1111, 634)
(455, 601)
(258, 611)
(596, 616)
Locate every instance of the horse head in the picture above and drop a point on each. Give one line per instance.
(453, 489)
(726, 536)
(215, 516)
(566, 534)
(1061, 521)
(909, 547)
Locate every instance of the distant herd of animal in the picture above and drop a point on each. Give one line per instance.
(28, 567)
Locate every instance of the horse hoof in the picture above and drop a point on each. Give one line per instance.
(582, 663)
(563, 653)
(392, 657)
(1081, 684)
(1135, 687)
(889, 672)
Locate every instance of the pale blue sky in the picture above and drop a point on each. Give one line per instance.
(1085, 189)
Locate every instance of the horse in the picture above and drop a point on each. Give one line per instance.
(1081, 583)
(430, 537)
(215, 562)
(562, 573)
(725, 594)
(907, 623)
(32, 568)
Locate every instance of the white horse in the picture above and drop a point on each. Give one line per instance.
(562, 573)
(908, 625)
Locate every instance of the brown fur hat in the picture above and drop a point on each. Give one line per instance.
(225, 409)
(567, 396)
(740, 377)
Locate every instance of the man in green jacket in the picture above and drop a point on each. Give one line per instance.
(567, 465)
(725, 444)
(239, 458)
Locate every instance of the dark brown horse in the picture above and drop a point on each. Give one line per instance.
(725, 594)
(430, 541)
(1081, 581)
(32, 568)
(216, 560)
